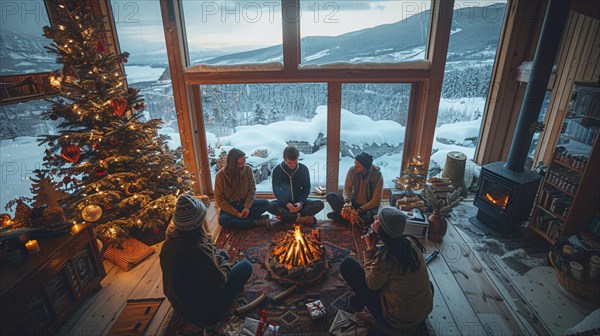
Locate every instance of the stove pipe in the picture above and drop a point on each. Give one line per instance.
(545, 54)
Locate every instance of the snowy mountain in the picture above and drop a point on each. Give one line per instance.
(475, 34)
(24, 53)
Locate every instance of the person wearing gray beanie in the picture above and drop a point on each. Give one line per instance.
(198, 278)
(394, 284)
(362, 191)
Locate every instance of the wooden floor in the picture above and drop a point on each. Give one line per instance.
(473, 294)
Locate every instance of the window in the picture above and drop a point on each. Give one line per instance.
(233, 32)
(374, 120)
(140, 32)
(472, 49)
(21, 38)
(261, 120)
(363, 31)
(20, 155)
(536, 135)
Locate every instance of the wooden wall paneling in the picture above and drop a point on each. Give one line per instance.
(587, 46)
(334, 110)
(517, 43)
(592, 71)
(437, 50)
(175, 40)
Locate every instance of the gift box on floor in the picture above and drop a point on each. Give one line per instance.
(315, 309)
(250, 328)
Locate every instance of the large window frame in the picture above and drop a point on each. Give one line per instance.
(423, 75)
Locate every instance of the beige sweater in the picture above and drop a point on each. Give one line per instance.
(234, 189)
(406, 300)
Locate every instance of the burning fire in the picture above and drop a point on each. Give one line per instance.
(296, 250)
(498, 200)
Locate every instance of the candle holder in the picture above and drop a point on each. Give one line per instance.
(32, 246)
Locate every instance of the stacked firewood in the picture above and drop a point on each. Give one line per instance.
(441, 186)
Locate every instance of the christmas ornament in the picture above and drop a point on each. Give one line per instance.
(107, 206)
(139, 106)
(53, 116)
(67, 179)
(97, 146)
(91, 213)
(113, 141)
(119, 105)
(100, 171)
(71, 153)
(156, 230)
(100, 46)
(4, 219)
(98, 57)
(179, 179)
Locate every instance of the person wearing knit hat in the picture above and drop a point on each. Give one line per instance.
(362, 191)
(235, 192)
(394, 284)
(198, 278)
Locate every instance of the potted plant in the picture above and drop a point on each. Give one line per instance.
(440, 210)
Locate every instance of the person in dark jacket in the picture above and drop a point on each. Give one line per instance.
(198, 279)
(291, 186)
(362, 191)
(235, 193)
(394, 284)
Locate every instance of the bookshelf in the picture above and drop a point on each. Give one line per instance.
(40, 292)
(569, 196)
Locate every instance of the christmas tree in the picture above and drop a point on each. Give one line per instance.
(259, 115)
(413, 176)
(45, 191)
(118, 170)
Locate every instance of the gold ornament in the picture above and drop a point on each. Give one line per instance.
(91, 213)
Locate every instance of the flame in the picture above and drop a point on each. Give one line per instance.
(297, 250)
(500, 200)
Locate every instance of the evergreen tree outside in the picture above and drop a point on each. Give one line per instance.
(259, 115)
(274, 115)
(107, 156)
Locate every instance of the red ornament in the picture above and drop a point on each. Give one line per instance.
(100, 46)
(53, 116)
(107, 205)
(67, 179)
(113, 141)
(119, 105)
(71, 153)
(156, 230)
(139, 106)
(97, 146)
(100, 171)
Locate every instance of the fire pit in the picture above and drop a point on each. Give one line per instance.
(297, 259)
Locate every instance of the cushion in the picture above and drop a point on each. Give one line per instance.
(132, 253)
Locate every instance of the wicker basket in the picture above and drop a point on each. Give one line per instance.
(582, 289)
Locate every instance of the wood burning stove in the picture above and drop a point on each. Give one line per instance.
(504, 198)
(506, 190)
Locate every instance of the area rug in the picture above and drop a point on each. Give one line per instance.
(290, 313)
(135, 317)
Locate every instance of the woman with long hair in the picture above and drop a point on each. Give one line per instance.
(394, 284)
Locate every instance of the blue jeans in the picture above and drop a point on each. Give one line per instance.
(229, 221)
(310, 208)
(240, 273)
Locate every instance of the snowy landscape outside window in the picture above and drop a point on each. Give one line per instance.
(363, 31)
(22, 52)
(474, 37)
(140, 32)
(233, 32)
(261, 120)
(374, 121)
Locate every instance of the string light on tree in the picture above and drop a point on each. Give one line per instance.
(103, 143)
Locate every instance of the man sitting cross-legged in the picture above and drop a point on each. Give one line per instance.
(291, 186)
